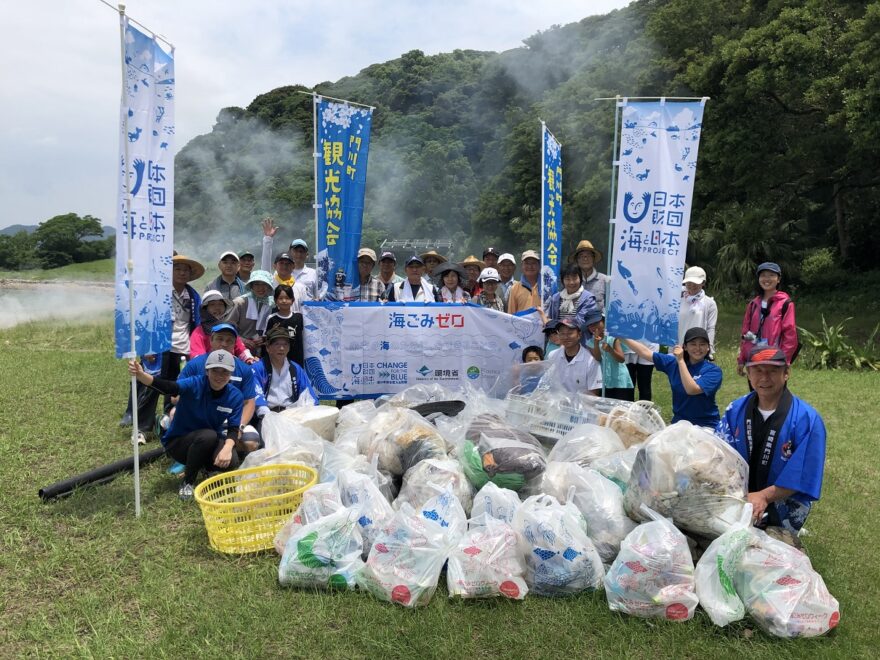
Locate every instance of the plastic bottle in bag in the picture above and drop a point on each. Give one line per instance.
(325, 554)
(318, 501)
(487, 563)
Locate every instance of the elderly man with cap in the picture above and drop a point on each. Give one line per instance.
(280, 382)
(783, 440)
(368, 288)
(387, 265)
(203, 433)
(490, 257)
(223, 337)
(416, 287)
(185, 318)
(246, 261)
(574, 365)
(506, 269)
(586, 257)
(228, 283)
(693, 379)
(525, 294)
(492, 294)
(697, 309)
(431, 260)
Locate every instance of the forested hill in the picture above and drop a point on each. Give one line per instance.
(788, 160)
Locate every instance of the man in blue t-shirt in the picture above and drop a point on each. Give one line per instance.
(783, 440)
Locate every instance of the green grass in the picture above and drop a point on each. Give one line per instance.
(82, 577)
(102, 270)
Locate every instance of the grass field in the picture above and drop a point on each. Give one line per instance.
(82, 577)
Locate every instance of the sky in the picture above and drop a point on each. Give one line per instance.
(61, 73)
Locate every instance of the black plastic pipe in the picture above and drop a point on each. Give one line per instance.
(101, 475)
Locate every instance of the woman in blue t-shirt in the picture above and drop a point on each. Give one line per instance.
(693, 379)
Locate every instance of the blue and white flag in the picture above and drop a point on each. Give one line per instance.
(343, 141)
(146, 181)
(368, 349)
(551, 211)
(658, 163)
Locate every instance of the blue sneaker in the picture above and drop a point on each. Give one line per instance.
(176, 468)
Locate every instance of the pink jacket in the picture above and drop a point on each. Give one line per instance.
(778, 330)
(200, 343)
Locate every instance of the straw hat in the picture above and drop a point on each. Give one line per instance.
(433, 253)
(197, 269)
(581, 247)
(472, 261)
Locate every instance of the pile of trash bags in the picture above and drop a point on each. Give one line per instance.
(405, 496)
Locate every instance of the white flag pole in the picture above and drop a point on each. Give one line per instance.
(315, 155)
(130, 269)
(543, 206)
(612, 205)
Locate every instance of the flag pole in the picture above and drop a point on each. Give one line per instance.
(612, 205)
(543, 207)
(315, 157)
(130, 269)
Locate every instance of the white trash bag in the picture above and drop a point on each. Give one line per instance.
(487, 563)
(428, 477)
(492, 501)
(560, 558)
(585, 443)
(318, 501)
(325, 554)
(351, 421)
(360, 493)
(400, 437)
(598, 499)
(746, 570)
(285, 441)
(320, 419)
(653, 575)
(617, 466)
(689, 474)
(405, 561)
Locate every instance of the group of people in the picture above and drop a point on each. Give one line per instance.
(241, 342)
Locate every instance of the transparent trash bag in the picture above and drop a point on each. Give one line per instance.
(487, 563)
(653, 575)
(687, 473)
(560, 558)
(492, 501)
(405, 561)
(586, 443)
(400, 438)
(325, 554)
(634, 422)
(427, 478)
(318, 501)
(598, 499)
(747, 571)
(360, 493)
(285, 441)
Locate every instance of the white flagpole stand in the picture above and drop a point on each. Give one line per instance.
(130, 271)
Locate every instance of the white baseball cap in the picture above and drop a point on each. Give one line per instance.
(220, 359)
(488, 274)
(695, 275)
(507, 257)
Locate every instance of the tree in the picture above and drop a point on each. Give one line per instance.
(17, 251)
(59, 240)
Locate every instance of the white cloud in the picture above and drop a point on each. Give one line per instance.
(61, 72)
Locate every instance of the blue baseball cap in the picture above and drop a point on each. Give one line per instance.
(228, 327)
(593, 317)
(769, 265)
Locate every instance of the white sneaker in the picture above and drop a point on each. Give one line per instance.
(142, 439)
(185, 493)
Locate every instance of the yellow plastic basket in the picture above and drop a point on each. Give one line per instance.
(244, 509)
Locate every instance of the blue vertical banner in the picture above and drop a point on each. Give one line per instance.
(551, 211)
(342, 139)
(145, 194)
(659, 142)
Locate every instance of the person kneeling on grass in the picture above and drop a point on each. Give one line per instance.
(693, 379)
(577, 370)
(204, 430)
(783, 440)
(280, 382)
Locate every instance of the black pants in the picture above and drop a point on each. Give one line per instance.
(147, 397)
(641, 377)
(197, 451)
(622, 393)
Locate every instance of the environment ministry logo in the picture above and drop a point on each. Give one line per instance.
(473, 372)
(424, 370)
